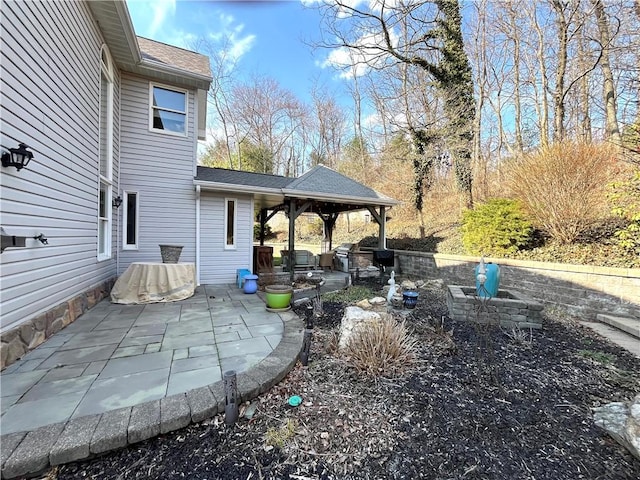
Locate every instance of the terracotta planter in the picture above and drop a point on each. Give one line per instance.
(278, 297)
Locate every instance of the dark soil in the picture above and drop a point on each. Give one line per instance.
(517, 408)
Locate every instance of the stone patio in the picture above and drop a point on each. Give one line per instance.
(121, 374)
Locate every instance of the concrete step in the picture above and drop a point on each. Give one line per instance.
(626, 324)
(614, 335)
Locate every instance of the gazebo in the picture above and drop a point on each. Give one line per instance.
(321, 190)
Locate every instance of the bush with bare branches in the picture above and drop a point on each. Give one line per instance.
(562, 186)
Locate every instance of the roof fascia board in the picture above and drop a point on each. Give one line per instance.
(127, 25)
(230, 187)
(340, 198)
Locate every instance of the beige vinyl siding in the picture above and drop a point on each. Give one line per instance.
(50, 93)
(217, 265)
(159, 167)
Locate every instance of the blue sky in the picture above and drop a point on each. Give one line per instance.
(268, 36)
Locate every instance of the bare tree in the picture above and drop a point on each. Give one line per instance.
(223, 70)
(272, 117)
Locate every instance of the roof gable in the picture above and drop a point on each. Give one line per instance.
(322, 179)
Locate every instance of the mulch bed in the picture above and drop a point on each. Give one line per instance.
(478, 404)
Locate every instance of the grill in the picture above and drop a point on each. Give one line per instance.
(383, 258)
(342, 256)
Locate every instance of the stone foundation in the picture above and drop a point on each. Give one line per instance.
(508, 308)
(24, 338)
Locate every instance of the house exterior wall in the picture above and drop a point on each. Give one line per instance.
(217, 264)
(160, 168)
(50, 86)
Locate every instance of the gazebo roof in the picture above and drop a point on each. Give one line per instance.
(321, 184)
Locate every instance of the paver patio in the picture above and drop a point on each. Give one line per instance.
(121, 374)
(118, 356)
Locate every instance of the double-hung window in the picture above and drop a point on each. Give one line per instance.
(168, 112)
(105, 159)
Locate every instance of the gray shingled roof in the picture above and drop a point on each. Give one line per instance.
(321, 179)
(236, 177)
(319, 182)
(186, 60)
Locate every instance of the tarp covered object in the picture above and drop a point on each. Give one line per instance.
(154, 282)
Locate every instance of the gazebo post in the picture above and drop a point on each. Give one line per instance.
(292, 236)
(382, 237)
(381, 219)
(329, 221)
(263, 222)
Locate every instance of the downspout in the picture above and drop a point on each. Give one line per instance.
(198, 235)
(119, 176)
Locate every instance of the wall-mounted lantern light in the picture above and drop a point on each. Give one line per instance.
(117, 201)
(44, 240)
(17, 157)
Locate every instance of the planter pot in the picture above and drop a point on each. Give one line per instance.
(278, 297)
(170, 253)
(410, 299)
(250, 283)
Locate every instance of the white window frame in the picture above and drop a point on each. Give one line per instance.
(125, 220)
(105, 181)
(228, 200)
(185, 113)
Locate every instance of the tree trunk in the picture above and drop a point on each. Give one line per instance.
(561, 70)
(544, 88)
(584, 115)
(519, 144)
(608, 89)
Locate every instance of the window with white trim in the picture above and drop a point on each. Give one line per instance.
(130, 219)
(230, 223)
(105, 158)
(168, 110)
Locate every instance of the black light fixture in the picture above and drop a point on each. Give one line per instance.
(44, 240)
(117, 201)
(17, 157)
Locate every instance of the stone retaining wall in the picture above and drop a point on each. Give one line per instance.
(580, 289)
(20, 340)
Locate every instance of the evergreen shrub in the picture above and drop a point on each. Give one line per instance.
(497, 227)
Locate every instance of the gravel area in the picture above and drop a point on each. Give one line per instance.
(479, 403)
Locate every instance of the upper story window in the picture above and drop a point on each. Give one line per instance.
(168, 110)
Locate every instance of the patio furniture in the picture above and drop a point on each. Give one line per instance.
(147, 282)
(326, 260)
(240, 274)
(262, 259)
(302, 260)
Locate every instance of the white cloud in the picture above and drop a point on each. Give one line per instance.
(162, 11)
(355, 62)
(230, 35)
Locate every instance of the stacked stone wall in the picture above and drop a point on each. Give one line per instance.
(581, 290)
(16, 342)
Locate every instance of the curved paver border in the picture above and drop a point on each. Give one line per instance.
(27, 453)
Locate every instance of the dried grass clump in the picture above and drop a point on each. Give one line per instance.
(562, 186)
(383, 348)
